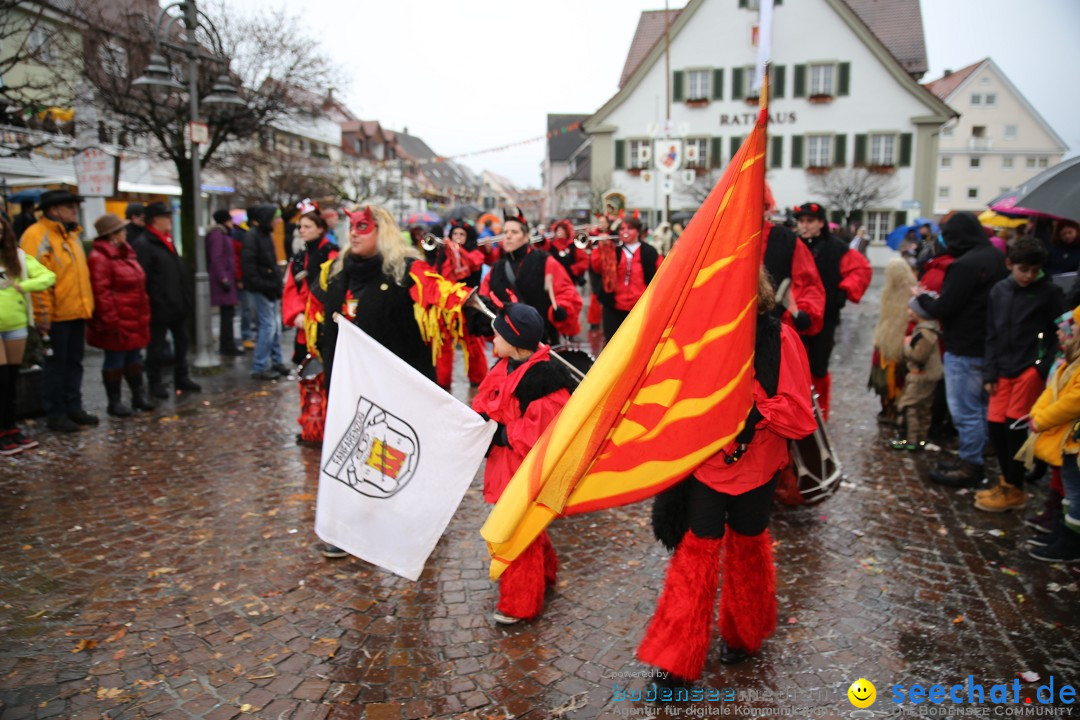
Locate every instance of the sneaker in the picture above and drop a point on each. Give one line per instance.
(1066, 549)
(991, 491)
(24, 441)
(159, 391)
(502, 619)
(964, 475)
(1004, 497)
(282, 369)
(1044, 521)
(188, 385)
(332, 551)
(267, 374)
(901, 445)
(8, 446)
(81, 417)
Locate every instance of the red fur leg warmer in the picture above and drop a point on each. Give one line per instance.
(551, 560)
(823, 388)
(477, 357)
(748, 597)
(521, 586)
(677, 639)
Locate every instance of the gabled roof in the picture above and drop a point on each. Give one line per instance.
(650, 29)
(562, 145)
(945, 85)
(412, 147)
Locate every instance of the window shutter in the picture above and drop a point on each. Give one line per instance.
(620, 154)
(743, 3)
(796, 151)
(860, 150)
(778, 73)
(899, 218)
(677, 86)
(736, 142)
(718, 84)
(799, 89)
(716, 150)
(737, 91)
(839, 150)
(776, 152)
(837, 216)
(843, 81)
(905, 149)
(856, 216)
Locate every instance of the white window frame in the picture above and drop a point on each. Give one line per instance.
(819, 76)
(990, 100)
(974, 196)
(947, 131)
(878, 144)
(943, 192)
(976, 99)
(946, 162)
(114, 59)
(1012, 135)
(974, 162)
(703, 153)
(633, 147)
(878, 223)
(704, 81)
(811, 146)
(1007, 162)
(1042, 163)
(1030, 163)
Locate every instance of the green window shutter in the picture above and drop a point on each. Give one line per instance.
(716, 150)
(856, 216)
(776, 152)
(843, 82)
(718, 84)
(743, 3)
(737, 90)
(799, 82)
(899, 218)
(620, 154)
(839, 150)
(677, 86)
(837, 216)
(860, 150)
(796, 151)
(905, 149)
(736, 143)
(778, 73)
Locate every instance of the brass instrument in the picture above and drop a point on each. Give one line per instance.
(585, 241)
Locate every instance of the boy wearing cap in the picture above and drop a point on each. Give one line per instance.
(523, 392)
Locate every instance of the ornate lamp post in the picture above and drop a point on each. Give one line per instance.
(178, 32)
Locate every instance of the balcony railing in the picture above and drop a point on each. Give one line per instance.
(980, 144)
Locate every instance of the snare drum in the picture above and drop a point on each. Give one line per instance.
(817, 469)
(575, 356)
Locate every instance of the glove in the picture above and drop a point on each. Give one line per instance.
(752, 419)
(500, 439)
(580, 280)
(558, 314)
(226, 285)
(801, 320)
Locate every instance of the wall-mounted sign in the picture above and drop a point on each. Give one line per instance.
(97, 173)
(749, 118)
(669, 155)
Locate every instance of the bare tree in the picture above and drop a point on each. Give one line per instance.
(278, 72)
(852, 190)
(698, 191)
(285, 177)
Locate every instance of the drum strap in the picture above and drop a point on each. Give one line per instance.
(767, 353)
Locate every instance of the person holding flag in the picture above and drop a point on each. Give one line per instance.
(523, 393)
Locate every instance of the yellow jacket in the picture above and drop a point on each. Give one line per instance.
(1056, 413)
(72, 297)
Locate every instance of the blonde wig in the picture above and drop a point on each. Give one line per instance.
(893, 321)
(390, 244)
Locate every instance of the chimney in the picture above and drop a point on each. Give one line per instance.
(947, 73)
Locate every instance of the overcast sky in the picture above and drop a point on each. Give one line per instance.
(477, 74)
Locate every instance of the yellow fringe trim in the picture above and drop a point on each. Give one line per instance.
(437, 321)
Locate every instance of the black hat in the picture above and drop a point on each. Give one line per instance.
(52, 198)
(520, 325)
(134, 209)
(811, 209)
(156, 209)
(222, 216)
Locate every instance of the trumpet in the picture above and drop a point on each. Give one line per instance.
(584, 241)
(430, 242)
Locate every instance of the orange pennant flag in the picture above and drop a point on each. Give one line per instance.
(671, 389)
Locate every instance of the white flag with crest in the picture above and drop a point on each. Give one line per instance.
(398, 455)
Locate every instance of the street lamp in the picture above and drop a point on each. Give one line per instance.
(159, 76)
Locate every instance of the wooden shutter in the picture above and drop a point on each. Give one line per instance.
(860, 150)
(736, 141)
(905, 149)
(778, 73)
(737, 87)
(716, 151)
(899, 218)
(796, 151)
(677, 86)
(776, 152)
(620, 154)
(718, 84)
(843, 82)
(837, 216)
(743, 3)
(799, 83)
(839, 150)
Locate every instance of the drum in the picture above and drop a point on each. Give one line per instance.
(577, 357)
(817, 470)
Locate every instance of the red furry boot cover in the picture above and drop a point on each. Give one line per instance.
(823, 388)
(748, 597)
(521, 586)
(677, 639)
(551, 560)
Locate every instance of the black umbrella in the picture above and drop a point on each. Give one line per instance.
(462, 212)
(681, 216)
(1055, 192)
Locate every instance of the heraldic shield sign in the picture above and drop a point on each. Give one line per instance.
(378, 454)
(399, 454)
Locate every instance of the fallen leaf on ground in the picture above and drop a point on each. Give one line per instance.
(85, 644)
(112, 694)
(160, 571)
(958, 619)
(117, 635)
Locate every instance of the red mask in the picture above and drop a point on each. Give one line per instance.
(628, 234)
(362, 221)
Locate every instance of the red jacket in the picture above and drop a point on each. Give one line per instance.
(569, 255)
(806, 289)
(566, 296)
(470, 260)
(629, 287)
(296, 296)
(121, 318)
(933, 275)
(497, 398)
(787, 415)
(855, 274)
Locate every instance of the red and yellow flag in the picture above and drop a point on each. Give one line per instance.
(673, 386)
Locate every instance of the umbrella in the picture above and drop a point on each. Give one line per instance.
(681, 216)
(1053, 193)
(28, 195)
(897, 236)
(992, 219)
(423, 218)
(463, 212)
(496, 223)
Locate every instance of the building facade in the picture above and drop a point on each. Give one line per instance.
(556, 167)
(845, 105)
(998, 142)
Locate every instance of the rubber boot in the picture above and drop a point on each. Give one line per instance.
(134, 375)
(113, 380)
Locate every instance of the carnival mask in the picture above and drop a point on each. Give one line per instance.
(362, 221)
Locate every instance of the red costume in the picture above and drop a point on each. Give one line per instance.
(788, 259)
(524, 399)
(570, 256)
(461, 263)
(635, 264)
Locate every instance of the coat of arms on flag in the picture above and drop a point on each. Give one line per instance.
(377, 455)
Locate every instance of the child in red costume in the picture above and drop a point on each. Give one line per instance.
(725, 506)
(523, 392)
(461, 260)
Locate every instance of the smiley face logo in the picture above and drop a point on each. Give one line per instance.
(862, 693)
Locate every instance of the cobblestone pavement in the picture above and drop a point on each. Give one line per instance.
(164, 567)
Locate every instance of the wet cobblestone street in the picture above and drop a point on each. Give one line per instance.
(165, 567)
